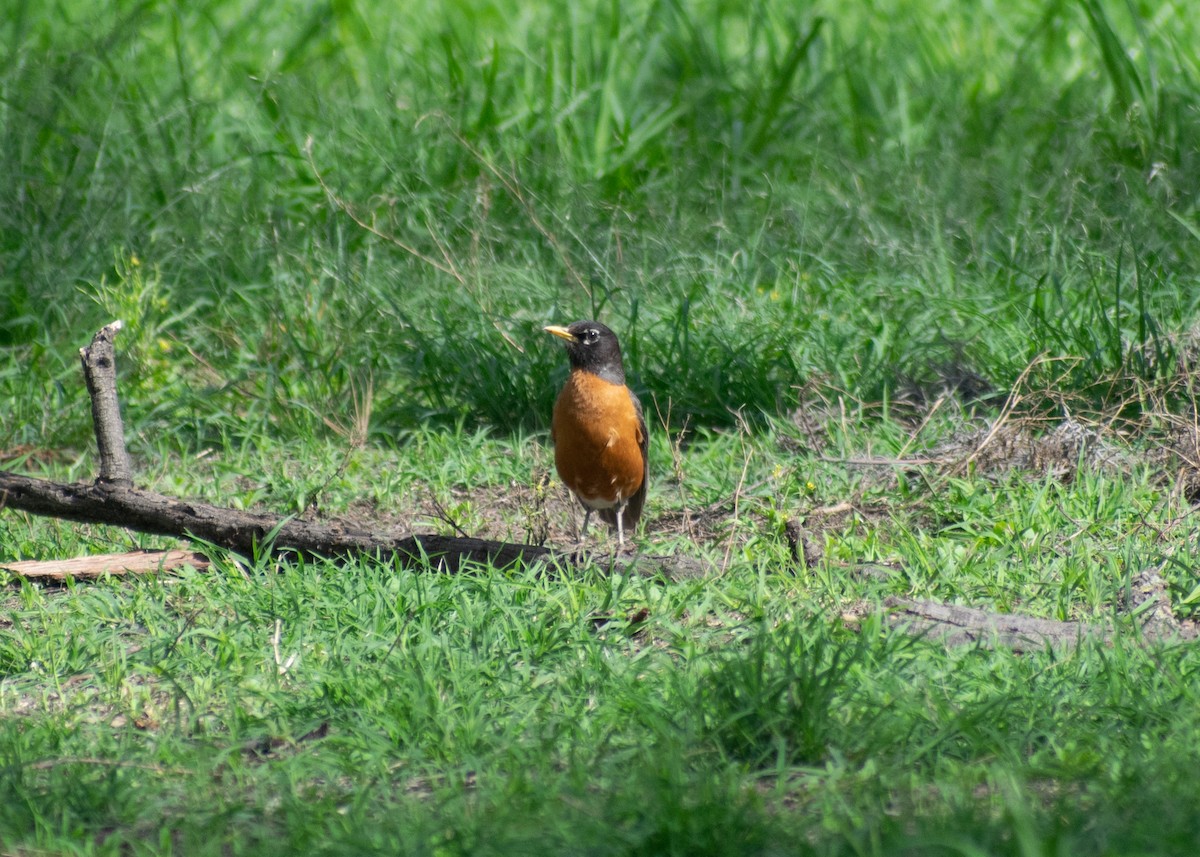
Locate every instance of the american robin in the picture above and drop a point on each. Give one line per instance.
(598, 430)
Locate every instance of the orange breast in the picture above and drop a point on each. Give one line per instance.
(597, 440)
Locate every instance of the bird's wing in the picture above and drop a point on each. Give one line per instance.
(633, 510)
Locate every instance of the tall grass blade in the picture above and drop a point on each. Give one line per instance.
(764, 122)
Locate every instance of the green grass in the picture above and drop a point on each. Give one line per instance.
(334, 231)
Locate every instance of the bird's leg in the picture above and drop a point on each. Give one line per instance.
(620, 525)
(587, 513)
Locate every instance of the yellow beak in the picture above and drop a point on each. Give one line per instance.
(560, 332)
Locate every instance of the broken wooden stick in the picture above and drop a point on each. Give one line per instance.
(106, 565)
(100, 374)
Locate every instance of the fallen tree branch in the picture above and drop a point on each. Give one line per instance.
(113, 499)
(249, 533)
(960, 626)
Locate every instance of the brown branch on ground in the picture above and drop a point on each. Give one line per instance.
(113, 499)
(249, 533)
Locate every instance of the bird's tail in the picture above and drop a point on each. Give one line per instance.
(630, 515)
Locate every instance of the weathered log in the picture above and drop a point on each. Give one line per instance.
(956, 625)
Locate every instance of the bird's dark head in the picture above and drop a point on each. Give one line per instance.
(593, 348)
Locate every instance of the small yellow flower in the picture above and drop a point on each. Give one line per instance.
(135, 261)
